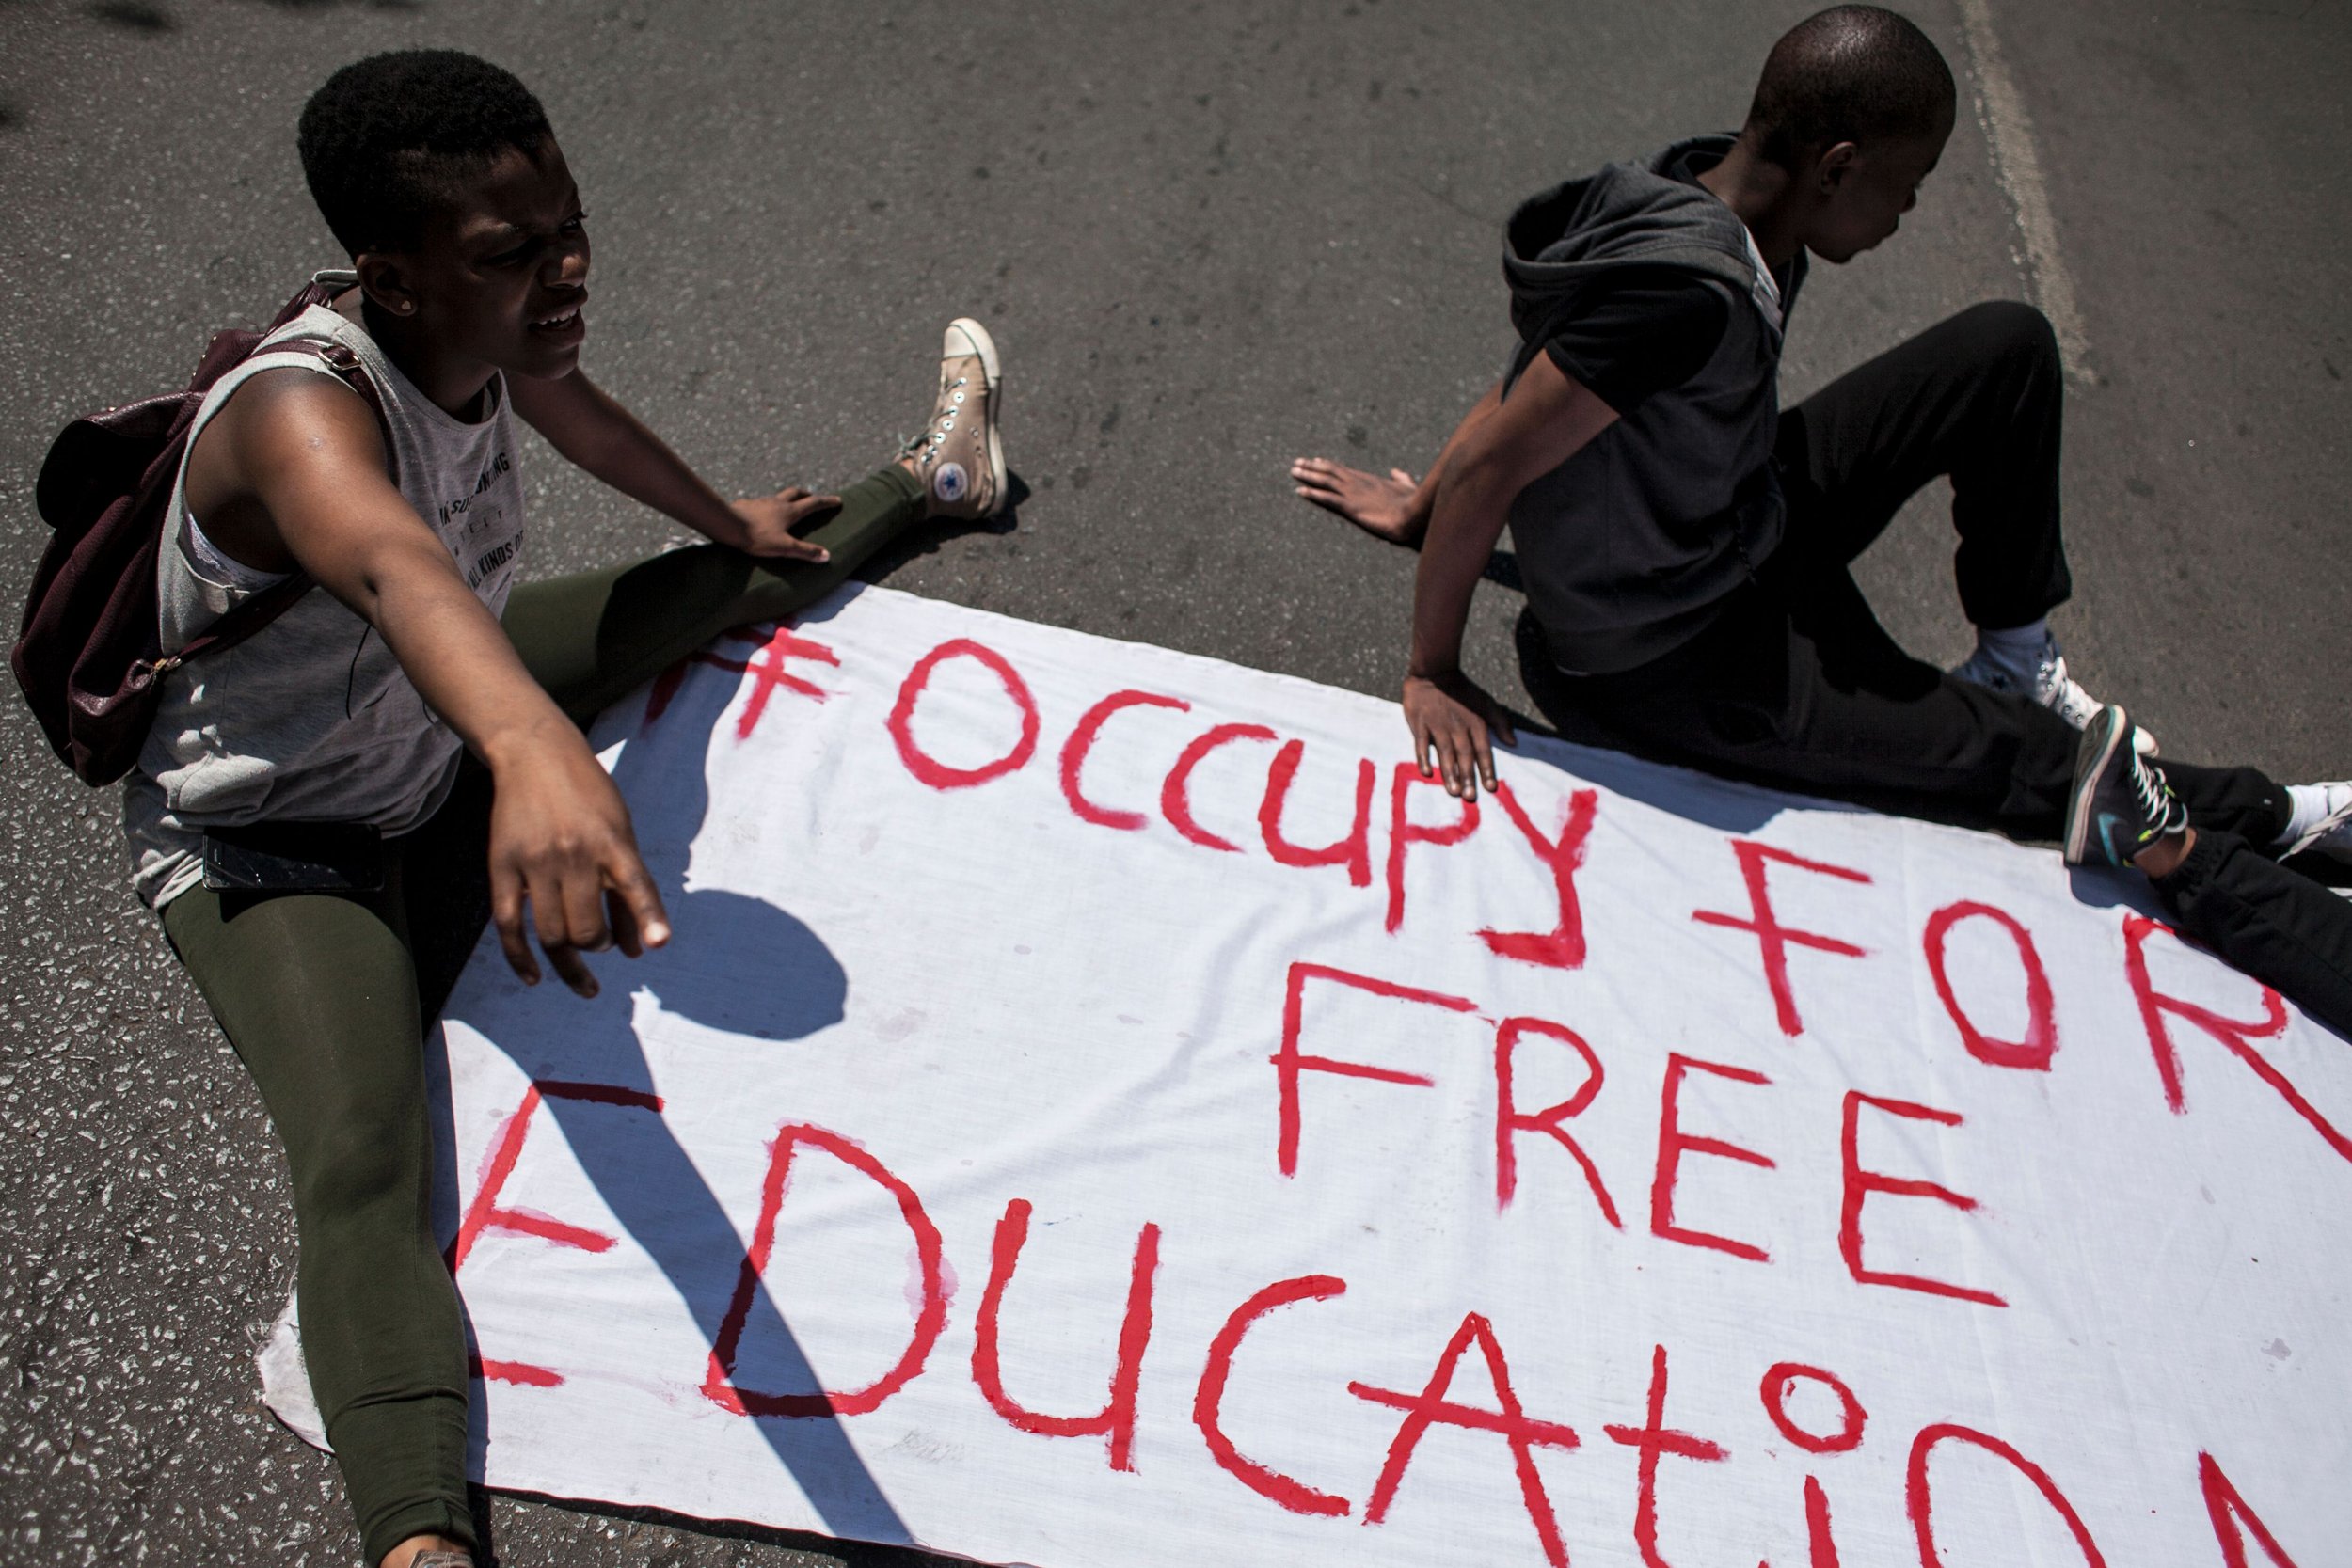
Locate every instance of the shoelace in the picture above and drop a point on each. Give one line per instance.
(923, 445)
(2335, 814)
(2158, 805)
(2051, 684)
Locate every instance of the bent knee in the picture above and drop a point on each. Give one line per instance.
(2009, 329)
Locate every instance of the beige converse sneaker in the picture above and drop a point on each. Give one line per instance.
(960, 457)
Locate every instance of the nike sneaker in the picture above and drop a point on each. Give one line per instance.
(2120, 804)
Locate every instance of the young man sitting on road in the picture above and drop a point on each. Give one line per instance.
(440, 175)
(1686, 543)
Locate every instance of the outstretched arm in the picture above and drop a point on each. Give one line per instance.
(307, 450)
(1396, 508)
(588, 426)
(1544, 421)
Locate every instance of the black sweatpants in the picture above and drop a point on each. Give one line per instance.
(1797, 684)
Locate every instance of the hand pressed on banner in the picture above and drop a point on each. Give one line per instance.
(1451, 717)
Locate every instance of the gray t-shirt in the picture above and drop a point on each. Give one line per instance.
(311, 719)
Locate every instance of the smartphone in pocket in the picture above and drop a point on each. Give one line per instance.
(295, 857)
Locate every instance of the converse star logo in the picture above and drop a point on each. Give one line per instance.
(950, 482)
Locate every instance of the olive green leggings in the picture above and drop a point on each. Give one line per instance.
(321, 995)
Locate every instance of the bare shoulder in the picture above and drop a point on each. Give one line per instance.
(289, 411)
(286, 439)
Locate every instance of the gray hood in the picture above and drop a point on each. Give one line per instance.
(1628, 215)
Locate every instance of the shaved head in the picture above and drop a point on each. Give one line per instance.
(1852, 73)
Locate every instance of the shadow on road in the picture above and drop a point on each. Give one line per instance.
(749, 968)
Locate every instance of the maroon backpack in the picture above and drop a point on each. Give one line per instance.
(88, 654)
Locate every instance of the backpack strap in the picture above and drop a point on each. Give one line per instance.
(345, 364)
(249, 615)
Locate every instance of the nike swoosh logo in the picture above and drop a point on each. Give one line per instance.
(2107, 822)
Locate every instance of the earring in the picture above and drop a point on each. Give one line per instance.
(408, 307)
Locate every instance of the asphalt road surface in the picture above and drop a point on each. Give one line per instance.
(1208, 236)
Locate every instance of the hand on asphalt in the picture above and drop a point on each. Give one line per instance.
(1382, 507)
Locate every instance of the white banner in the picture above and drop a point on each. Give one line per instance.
(1170, 1131)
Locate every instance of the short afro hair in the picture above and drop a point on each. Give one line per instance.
(384, 141)
(1857, 74)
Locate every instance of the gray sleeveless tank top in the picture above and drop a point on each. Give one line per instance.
(311, 719)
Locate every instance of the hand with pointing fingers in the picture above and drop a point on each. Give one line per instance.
(561, 846)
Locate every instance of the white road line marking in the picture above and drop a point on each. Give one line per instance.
(2016, 164)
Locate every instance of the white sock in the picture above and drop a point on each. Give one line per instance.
(2016, 649)
(2310, 805)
